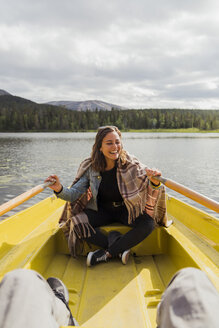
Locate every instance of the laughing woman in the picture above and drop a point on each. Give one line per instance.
(110, 186)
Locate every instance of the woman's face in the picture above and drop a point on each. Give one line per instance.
(111, 146)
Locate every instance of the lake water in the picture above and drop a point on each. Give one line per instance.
(26, 159)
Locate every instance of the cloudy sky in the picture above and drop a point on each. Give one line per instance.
(133, 53)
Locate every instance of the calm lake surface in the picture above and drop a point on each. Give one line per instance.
(26, 159)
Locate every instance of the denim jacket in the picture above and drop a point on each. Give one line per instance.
(90, 179)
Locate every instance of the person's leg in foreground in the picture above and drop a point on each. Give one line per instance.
(28, 300)
(190, 301)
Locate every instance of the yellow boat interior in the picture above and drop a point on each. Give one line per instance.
(112, 294)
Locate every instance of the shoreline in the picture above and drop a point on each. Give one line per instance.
(189, 130)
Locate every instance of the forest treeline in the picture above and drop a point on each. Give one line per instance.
(19, 115)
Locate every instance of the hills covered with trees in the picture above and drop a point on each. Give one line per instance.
(18, 114)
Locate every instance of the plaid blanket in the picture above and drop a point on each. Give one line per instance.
(136, 191)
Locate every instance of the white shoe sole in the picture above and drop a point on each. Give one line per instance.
(125, 257)
(89, 257)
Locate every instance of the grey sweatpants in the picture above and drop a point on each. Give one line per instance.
(26, 300)
(190, 301)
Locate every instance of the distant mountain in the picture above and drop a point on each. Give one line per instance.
(20, 114)
(91, 105)
(4, 93)
(85, 105)
(9, 100)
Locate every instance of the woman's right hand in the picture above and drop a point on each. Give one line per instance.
(56, 186)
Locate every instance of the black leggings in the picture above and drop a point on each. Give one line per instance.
(141, 228)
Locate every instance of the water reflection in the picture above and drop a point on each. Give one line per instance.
(28, 158)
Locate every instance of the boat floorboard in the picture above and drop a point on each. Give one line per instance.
(112, 294)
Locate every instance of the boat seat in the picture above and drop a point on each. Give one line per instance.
(153, 244)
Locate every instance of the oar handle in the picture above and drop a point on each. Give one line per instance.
(6, 207)
(199, 198)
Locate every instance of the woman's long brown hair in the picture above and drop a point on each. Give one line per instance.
(97, 157)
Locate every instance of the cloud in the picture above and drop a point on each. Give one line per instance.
(133, 53)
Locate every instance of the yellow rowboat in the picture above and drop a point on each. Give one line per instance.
(112, 294)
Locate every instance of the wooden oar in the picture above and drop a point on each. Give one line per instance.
(6, 207)
(199, 198)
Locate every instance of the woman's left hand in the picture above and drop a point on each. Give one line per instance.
(153, 173)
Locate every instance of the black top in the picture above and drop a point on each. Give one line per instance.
(108, 191)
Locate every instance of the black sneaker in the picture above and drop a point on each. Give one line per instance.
(96, 257)
(61, 291)
(124, 256)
